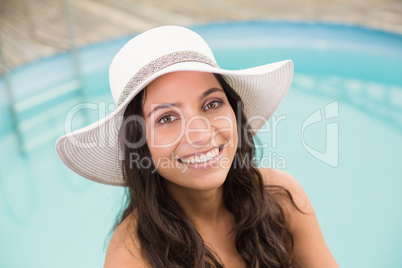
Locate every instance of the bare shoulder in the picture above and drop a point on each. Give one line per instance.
(124, 249)
(310, 249)
(277, 177)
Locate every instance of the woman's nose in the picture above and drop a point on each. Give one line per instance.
(198, 131)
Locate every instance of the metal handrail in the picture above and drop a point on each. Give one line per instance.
(18, 107)
(10, 96)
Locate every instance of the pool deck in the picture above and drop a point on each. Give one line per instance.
(30, 30)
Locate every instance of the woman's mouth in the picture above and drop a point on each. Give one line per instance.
(202, 158)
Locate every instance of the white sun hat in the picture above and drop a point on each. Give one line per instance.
(94, 152)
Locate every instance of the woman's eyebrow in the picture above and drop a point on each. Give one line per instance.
(163, 106)
(210, 91)
(169, 105)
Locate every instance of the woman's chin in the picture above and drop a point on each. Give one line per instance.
(198, 183)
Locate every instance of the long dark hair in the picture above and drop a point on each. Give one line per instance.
(166, 235)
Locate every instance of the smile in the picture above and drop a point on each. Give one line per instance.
(202, 157)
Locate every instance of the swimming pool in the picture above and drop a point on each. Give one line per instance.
(338, 131)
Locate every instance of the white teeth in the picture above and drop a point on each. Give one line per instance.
(201, 158)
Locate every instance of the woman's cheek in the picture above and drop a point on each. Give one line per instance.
(225, 127)
(163, 136)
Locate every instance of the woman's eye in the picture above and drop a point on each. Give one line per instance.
(212, 105)
(167, 119)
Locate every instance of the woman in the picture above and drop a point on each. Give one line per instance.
(181, 141)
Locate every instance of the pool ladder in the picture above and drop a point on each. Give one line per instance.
(23, 124)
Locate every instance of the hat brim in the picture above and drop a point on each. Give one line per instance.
(94, 151)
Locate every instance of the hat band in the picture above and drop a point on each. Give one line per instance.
(159, 64)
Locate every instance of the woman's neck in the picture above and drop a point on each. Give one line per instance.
(203, 208)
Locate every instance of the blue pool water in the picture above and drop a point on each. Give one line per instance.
(348, 162)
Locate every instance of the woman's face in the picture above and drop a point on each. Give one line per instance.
(191, 130)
